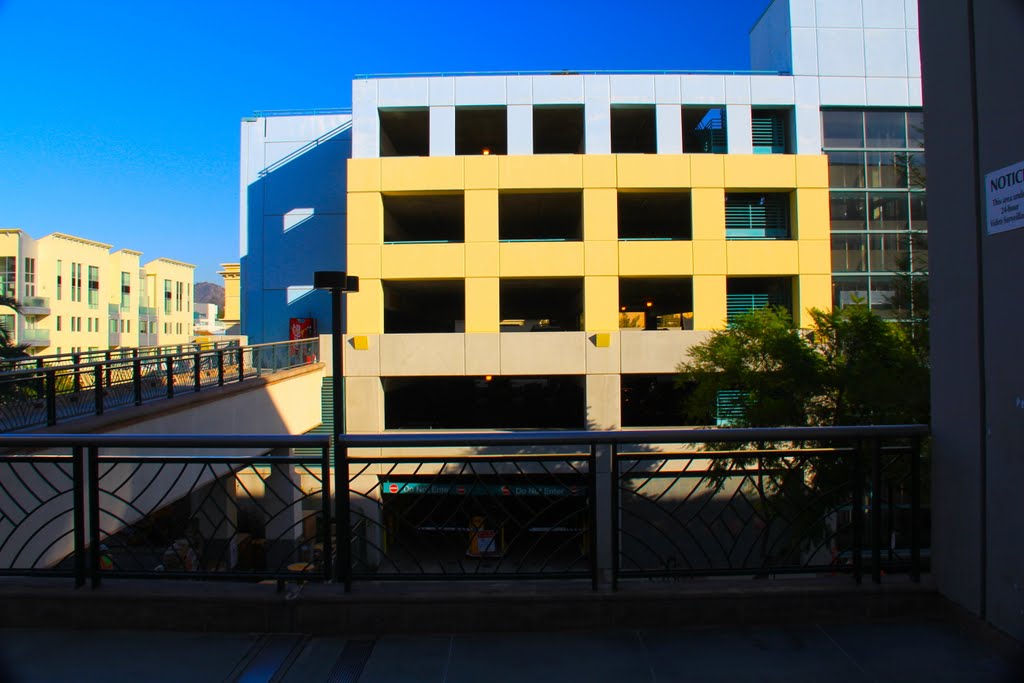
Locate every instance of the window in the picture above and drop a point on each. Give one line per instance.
(58, 324)
(126, 291)
(128, 326)
(167, 298)
(404, 132)
(558, 129)
(179, 289)
(7, 323)
(745, 294)
(769, 129)
(188, 297)
(113, 326)
(76, 281)
(60, 266)
(94, 287)
(481, 130)
(90, 324)
(704, 130)
(30, 277)
(9, 276)
(756, 216)
(634, 130)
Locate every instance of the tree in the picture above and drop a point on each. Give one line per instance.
(8, 349)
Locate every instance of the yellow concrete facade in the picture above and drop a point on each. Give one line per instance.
(600, 258)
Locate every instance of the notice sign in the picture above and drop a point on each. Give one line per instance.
(1004, 198)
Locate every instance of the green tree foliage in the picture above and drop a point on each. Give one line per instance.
(8, 349)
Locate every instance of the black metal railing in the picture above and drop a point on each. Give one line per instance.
(79, 357)
(110, 506)
(48, 395)
(605, 505)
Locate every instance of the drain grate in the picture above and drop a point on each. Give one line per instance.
(353, 658)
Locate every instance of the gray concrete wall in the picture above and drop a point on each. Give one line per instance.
(976, 296)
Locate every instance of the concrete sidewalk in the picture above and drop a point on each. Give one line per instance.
(904, 651)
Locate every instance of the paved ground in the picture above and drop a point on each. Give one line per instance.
(903, 651)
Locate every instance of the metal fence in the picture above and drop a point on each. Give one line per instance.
(80, 357)
(605, 505)
(93, 507)
(48, 395)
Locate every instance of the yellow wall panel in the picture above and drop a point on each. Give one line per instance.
(760, 171)
(599, 170)
(815, 257)
(601, 309)
(653, 170)
(482, 304)
(363, 260)
(708, 213)
(814, 291)
(481, 215)
(365, 309)
(812, 214)
(541, 259)
(772, 257)
(601, 258)
(547, 171)
(411, 174)
(709, 257)
(481, 172)
(363, 175)
(709, 309)
(408, 261)
(600, 214)
(707, 170)
(655, 258)
(365, 218)
(481, 259)
(812, 171)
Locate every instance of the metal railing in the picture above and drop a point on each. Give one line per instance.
(579, 72)
(109, 354)
(108, 506)
(47, 395)
(605, 505)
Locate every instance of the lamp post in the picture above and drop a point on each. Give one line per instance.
(338, 282)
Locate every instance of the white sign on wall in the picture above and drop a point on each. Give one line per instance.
(1004, 198)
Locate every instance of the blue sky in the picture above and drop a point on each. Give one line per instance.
(120, 119)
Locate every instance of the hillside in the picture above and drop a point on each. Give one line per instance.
(209, 293)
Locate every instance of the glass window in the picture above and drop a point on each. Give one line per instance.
(126, 291)
(30, 277)
(883, 295)
(58, 323)
(887, 169)
(849, 291)
(885, 129)
(848, 254)
(842, 128)
(58, 279)
(167, 298)
(918, 211)
(915, 130)
(919, 252)
(847, 210)
(94, 287)
(845, 169)
(9, 276)
(888, 211)
(917, 174)
(888, 253)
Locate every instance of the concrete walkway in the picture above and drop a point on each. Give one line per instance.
(903, 650)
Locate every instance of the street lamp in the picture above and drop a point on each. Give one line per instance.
(338, 281)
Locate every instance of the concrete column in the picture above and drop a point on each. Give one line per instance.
(442, 131)
(737, 123)
(597, 114)
(670, 128)
(520, 129)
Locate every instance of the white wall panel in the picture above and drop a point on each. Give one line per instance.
(597, 98)
(480, 90)
(737, 89)
(365, 122)
(558, 89)
(519, 89)
(805, 52)
(772, 90)
(836, 91)
(632, 89)
(666, 89)
(737, 122)
(520, 129)
(885, 52)
(838, 13)
(442, 92)
(886, 92)
(801, 13)
(884, 14)
(670, 128)
(808, 129)
(403, 92)
(910, 11)
(442, 131)
(840, 52)
(702, 89)
(914, 92)
(913, 54)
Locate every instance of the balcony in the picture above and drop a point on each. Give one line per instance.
(35, 305)
(34, 337)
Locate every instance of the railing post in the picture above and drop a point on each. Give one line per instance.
(915, 509)
(614, 504)
(75, 359)
(325, 510)
(220, 367)
(592, 496)
(137, 378)
(108, 367)
(170, 376)
(341, 513)
(97, 388)
(198, 362)
(241, 363)
(93, 467)
(78, 496)
(876, 510)
(51, 397)
(857, 509)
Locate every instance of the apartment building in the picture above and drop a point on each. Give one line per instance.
(77, 295)
(543, 250)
